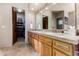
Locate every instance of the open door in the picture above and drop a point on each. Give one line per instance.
(14, 16)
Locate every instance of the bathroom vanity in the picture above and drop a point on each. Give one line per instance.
(53, 44)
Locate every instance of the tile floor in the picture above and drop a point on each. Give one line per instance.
(19, 49)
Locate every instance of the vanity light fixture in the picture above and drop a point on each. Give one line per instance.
(3, 26)
(46, 8)
(54, 3)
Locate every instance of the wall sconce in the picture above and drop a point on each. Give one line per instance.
(3, 27)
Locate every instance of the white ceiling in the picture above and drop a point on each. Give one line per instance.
(35, 7)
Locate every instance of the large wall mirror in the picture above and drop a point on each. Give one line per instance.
(77, 18)
(60, 16)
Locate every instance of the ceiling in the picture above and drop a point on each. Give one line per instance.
(36, 6)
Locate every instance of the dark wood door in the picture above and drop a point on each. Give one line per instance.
(45, 22)
(14, 16)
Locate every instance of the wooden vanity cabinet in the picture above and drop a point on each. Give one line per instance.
(46, 46)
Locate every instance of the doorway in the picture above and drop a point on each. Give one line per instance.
(59, 23)
(45, 22)
(18, 22)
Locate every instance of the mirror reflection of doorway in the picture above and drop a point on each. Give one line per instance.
(45, 22)
(59, 23)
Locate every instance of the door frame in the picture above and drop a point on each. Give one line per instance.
(14, 16)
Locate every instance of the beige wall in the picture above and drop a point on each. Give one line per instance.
(6, 22)
(71, 20)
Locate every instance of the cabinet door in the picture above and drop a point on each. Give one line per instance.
(32, 42)
(58, 53)
(40, 48)
(36, 45)
(29, 38)
(46, 50)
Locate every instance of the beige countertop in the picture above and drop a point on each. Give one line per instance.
(60, 36)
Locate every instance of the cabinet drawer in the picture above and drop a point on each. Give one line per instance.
(64, 47)
(48, 41)
(32, 35)
(45, 40)
(41, 39)
(36, 36)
